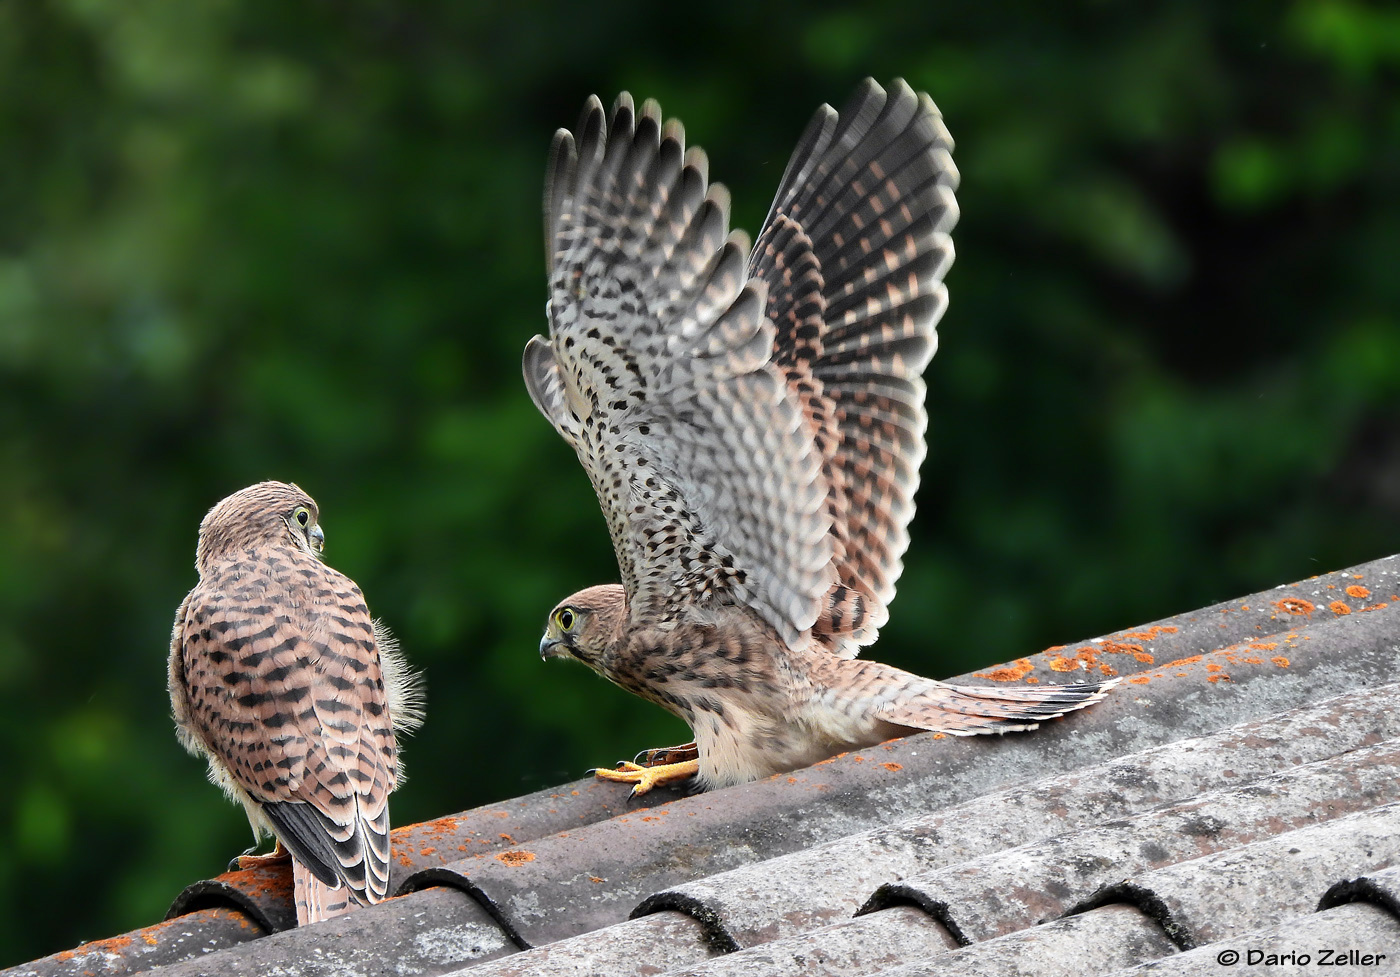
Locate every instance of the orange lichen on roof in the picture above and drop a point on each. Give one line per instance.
(1295, 605)
(1139, 680)
(594, 878)
(506, 838)
(1212, 679)
(426, 851)
(1375, 607)
(1264, 645)
(940, 736)
(1107, 669)
(1009, 673)
(1254, 660)
(438, 826)
(515, 858)
(1280, 661)
(1358, 591)
(1151, 633)
(1212, 667)
(1032, 680)
(1194, 659)
(1053, 648)
(1118, 648)
(112, 944)
(892, 767)
(1062, 664)
(1122, 648)
(268, 880)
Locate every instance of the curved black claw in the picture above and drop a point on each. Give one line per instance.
(235, 864)
(249, 859)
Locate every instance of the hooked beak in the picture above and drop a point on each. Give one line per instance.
(552, 648)
(318, 538)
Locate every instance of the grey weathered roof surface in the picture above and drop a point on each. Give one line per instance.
(1240, 790)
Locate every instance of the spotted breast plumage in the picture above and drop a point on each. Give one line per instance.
(279, 676)
(752, 420)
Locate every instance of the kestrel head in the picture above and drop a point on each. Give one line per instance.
(586, 625)
(268, 512)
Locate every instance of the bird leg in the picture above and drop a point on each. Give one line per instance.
(645, 778)
(662, 755)
(248, 860)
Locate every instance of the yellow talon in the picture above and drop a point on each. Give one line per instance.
(644, 779)
(277, 856)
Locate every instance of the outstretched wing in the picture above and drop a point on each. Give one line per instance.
(659, 372)
(853, 255)
(283, 687)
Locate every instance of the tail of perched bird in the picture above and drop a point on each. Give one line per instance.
(314, 899)
(875, 693)
(339, 860)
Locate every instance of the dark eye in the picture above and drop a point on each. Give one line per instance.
(565, 617)
(303, 515)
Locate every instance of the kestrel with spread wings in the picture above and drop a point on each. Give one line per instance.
(279, 676)
(753, 423)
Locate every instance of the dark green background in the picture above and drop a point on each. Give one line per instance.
(302, 241)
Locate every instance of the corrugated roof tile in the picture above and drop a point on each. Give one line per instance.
(855, 946)
(430, 932)
(265, 893)
(995, 894)
(1255, 886)
(652, 945)
(1319, 943)
(194, 935)
(1107, 939)
(828, 882)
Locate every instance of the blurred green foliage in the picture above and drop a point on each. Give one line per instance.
(302, 241)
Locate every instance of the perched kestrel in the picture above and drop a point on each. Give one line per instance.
(279, 676)
(753, 424)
